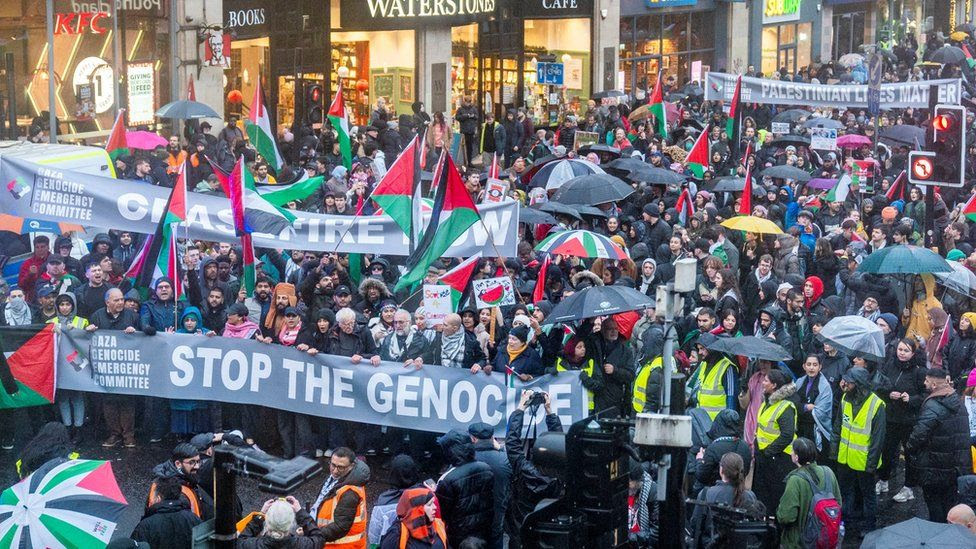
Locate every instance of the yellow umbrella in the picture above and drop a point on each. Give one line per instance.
(958, 36)
(752, 224)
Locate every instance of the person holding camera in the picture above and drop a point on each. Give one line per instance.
(529, 484)
(278, 526)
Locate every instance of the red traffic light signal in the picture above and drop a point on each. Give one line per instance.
(315, 93)
(943, 122)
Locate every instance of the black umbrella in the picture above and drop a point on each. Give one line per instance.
(734, 184)
(948, 54)
(592, 189)
(609, 93)
(791, 115)
(888, 55)
(821, 122)
(556, 208)
(598, 301)
(638, 171)
(785, 171)
(676, 97)
(916, 532)
(534, 216)
(787, 140)
(591, 211)
(185, 110)
(537, 165)
(966, 27)
(606, 153)
(747, 346)
(904, 134)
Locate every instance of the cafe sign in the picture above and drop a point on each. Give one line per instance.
(780, 11)
(406, 14)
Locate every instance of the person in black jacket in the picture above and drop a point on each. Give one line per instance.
(724, 435)
(529, 484)
(961, 350)
(615, 366)
(465, 491)
(486, 451)
(467, 117)
(939, 444)
(902, 389)
(168, 522)
(456, 347)
(656, 230)
(277, 525)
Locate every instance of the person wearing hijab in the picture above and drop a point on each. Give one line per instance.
(188, 417)
(934, 347)
(417, 526)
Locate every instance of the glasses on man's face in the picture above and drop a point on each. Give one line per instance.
(339, 467)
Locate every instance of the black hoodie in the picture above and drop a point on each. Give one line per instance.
(725, 437)
(466, 491)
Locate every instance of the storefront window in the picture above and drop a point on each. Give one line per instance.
(848, 33)
(464, 63)
(565, 41)
(374, 66)
(785, 47)
(247, 62)
(679, 44)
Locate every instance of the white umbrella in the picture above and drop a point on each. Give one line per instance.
(851, 60)
(961, 279)
(855, 335)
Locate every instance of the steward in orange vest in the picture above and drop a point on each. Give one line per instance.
(184, 464)
(416, 526)
(340, 509)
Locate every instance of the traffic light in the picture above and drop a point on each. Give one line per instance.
(945, 166)
(313, 103)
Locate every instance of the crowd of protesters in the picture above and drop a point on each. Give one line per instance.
(848, 423)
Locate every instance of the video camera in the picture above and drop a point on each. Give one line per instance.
(738, 527)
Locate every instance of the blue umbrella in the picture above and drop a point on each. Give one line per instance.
(916, 532)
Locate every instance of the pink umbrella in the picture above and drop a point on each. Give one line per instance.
(144, 140)
(853, 141)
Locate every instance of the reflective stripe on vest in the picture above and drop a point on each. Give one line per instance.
(588, 369)
(767, 424)
(439, 531)
(855, 432)
(711, 392)
(640, 384)
(76, 322)
(355, 538)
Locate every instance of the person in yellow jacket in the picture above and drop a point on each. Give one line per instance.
(647, 387)
(340, 509)
(858, 443)
(717, 379)
(775, 431)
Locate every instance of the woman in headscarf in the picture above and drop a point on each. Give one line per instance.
(417, 526)
(934, 346)
(188, 417)
(314, 337)
(648, 282)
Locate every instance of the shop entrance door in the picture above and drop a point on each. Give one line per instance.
(640, 72)
(787, 58)
(501, 55)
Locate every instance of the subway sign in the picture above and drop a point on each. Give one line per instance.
(780, 11)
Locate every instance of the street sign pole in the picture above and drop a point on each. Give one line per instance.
(875, 72)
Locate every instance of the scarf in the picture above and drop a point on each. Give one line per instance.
(18, 312)
(413, 517)
(452, 350)
(273, 321)
(762, 279)
(514, 353)
(395, 350)
(244, 330)
(288, 335)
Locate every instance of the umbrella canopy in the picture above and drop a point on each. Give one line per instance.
(65, 503)
(904, 134)
(590, 190)
(853, 141)
(821, 122)
(958, 36)
(185, 109)
(961, 279)
(558, 208)
(850, 60)
(591, 211)
(855, 335)
(693, 89)
(747, 346)
(918, 533)
(785, 171)
(787, 140)
(734, 184)
(633, 169)
(553, 174)
(609, 93)
(902, 258)
(791, 115)
(966, 27)
(822, 184)
(535, 216)
(598, 301)
(581, 243)
(752, 224)
(948, 55)
(145, 141)
(22, 225)
(605, 153)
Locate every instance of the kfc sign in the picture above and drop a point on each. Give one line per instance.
(81, 22)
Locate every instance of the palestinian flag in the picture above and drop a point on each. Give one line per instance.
(117, 145)
(261, 133)
(27, 358)
(396, 192)
(249, 270)
(745, 205)
(898, 189)
(191, 92)
(159, 256)
(946, 334)
(969, 56)
(685, 207)
(539, 293)
(969, 210)
(453, 214)
(657, 108)
(251, 212)
(841, 189)
(458, 279)
(697, 159)
(280, 195)
(735, 115)
(339, 118)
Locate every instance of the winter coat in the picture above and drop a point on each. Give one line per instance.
(501, 469)
(472, 352)
(615, 388)
(786, 262)
(416, 349)
(167, 525)
(939, 446)
(904, 377)
(959, 355)
(311, 538)
(345, 510)
(90, 299)
(360, 342)
(725, 437)
(858, 399)
(467, 117)
(383, 515)
(465, 494)
(702, 529)
(527, 362)
(656, 234)
(794, 506)
(159, 314)
(823, 409)
(529, 485)
(167, 469)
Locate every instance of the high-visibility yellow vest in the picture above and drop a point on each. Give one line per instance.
(855, 432)
(640, 384)
(767, 424)
(76, 322)
(711, 392)
(588, 368)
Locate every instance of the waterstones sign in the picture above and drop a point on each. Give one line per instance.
(433, 398)
(720, 87)
(35, 191)
(404, 14)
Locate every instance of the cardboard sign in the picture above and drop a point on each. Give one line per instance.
(437, 303)
(493, 292)
(495, 191)
(585, 138)
(781, 128)
(823, 139)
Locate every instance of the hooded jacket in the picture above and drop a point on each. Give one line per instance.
(167, 525)
(466, 491)
(904, 377)
(786, 422)
(167, 469)
(858, 398)
(157, 314)
(939, 444)
(960, 351)
(365, 303)
(786, 261)
(725, 437)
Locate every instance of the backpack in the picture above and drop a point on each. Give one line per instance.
(824, 527)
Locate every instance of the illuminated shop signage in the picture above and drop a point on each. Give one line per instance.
(81, 22)
(779, 11)
(370, 14)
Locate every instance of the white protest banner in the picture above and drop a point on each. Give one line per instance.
(493, 292)
(781, 128)
(823, 139)
(437, 303)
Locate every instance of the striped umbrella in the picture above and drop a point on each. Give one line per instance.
(554, 174)
(581, 244)
(65, 503)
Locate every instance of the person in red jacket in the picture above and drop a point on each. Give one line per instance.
(34, 266)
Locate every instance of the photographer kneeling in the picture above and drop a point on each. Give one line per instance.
(529, 484)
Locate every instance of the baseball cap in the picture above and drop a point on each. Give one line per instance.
(343, 290)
